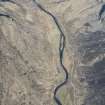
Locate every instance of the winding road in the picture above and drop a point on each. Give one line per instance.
(61, 51)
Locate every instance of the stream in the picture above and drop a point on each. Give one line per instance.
(62, 43)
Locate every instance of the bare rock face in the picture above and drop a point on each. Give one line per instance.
(30, 68)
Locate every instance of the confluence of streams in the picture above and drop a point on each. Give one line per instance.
(61, 50)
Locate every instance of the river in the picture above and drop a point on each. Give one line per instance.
(62, 44)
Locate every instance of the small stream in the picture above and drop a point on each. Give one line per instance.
(61, 52)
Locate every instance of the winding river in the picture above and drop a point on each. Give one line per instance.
(61, 51)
